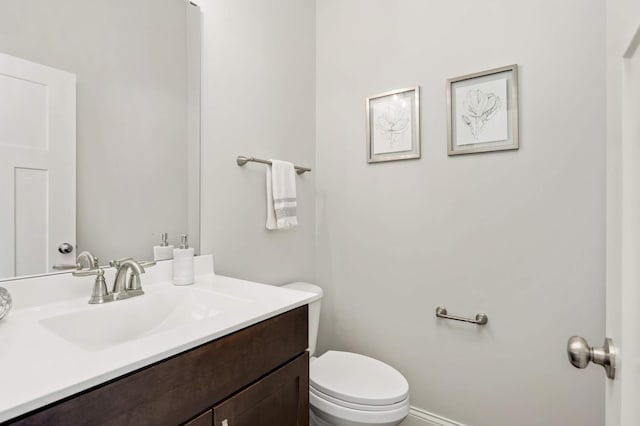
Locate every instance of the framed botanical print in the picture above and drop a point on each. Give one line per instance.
(393, 125)
(482, 111)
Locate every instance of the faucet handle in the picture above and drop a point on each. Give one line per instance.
(147, 263)
(84, 257)
(66, 267)
(100, 293)
(88, 272)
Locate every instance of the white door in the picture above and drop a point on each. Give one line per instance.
(623, 306)
(37, 166)
(620, 353)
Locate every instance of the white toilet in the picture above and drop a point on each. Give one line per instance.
(348, 389)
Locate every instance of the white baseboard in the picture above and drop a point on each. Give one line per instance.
(420, 417)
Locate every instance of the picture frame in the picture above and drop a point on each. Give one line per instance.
(482, 111)
(393, 125)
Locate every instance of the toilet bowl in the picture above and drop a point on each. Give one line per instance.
(349, 389)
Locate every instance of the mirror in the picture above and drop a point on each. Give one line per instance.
(99, 129)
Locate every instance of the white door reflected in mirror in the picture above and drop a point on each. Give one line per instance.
(37, 166)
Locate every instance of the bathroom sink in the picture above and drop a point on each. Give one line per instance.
(98, 327)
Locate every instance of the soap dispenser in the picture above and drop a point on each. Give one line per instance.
(183, 263)
(164, 251)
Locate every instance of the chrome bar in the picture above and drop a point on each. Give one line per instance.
(242, 160)
(481, 319)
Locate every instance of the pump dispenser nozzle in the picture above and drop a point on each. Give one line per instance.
(183, 241)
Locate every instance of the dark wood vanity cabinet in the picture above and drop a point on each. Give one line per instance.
(258, 376)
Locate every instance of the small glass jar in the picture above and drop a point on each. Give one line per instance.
(5, 302)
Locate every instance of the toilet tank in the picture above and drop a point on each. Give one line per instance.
(314, 311)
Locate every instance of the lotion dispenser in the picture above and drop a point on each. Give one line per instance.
(183, 263)
(164, 251)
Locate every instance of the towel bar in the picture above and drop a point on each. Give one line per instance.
(481, 319)
(242, 160)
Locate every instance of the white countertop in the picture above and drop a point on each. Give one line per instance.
(39, 367)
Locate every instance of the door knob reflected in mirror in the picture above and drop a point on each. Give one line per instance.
(580, 354)
(65, 248)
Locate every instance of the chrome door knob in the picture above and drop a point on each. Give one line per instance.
(580, 354)
(65, 248)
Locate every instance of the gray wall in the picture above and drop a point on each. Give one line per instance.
(257, 100)
(518, 235)
(130, 59)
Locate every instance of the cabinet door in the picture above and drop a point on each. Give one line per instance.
(204, 419)
(279, 399)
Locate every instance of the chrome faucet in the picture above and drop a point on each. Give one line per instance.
(122, 288)
(92, 261)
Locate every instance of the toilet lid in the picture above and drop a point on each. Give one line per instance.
(357, 378)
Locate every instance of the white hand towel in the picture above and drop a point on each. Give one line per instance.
(281, 195)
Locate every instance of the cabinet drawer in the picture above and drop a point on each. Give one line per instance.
(173, 391)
